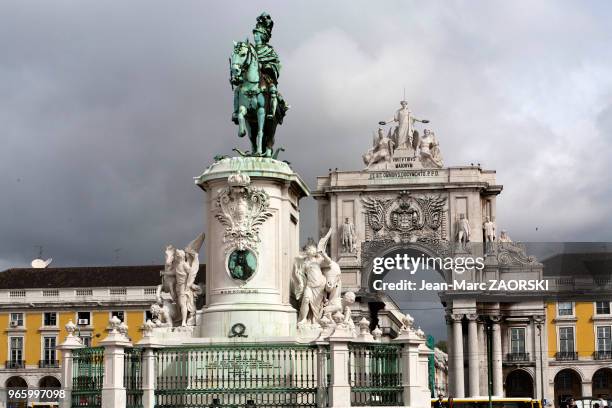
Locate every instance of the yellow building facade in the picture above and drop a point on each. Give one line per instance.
(580, 348)
(33, 332)
(36, 305)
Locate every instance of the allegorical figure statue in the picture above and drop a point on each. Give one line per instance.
(348, 236)
(512, 252)
(254, 71)
(405, 122)
(429, 150)
(489, 230)
(489, 234)
(308, 284)
(381, 151)
(463, 230)
(178, 281)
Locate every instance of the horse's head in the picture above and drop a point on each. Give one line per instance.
(240, 59)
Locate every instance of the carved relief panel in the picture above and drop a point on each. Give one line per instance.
(406, 217)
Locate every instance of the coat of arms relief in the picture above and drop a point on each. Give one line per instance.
(242, 209)
(406, 218)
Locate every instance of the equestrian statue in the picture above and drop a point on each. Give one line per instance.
(258, 106)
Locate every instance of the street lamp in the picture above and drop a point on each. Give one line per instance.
(538, 321)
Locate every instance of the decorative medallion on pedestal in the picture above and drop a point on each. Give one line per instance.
(242, 264)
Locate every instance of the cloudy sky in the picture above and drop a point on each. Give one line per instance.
(110, 108)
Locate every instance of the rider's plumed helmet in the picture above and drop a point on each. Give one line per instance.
(264, 26)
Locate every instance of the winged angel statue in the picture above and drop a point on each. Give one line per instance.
(178, 280)
(316, 283)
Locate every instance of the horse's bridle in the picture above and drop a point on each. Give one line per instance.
(247, 62)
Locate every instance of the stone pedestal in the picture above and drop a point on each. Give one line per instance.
(414, 363)
(252, 238)
(340, 388)
(67, 347)
(113, 388)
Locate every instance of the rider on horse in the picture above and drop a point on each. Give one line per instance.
(269, 62)
(245, 97)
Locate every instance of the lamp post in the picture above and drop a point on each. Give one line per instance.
(539, 327)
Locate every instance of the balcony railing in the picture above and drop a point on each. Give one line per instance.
(566, 355)
(602, 355)
(516, 357)
(48, 363)
(15, 364)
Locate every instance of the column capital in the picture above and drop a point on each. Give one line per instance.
(456, 317)
(495, 318)
(472, 316)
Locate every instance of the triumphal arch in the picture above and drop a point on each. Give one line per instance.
(404, 198)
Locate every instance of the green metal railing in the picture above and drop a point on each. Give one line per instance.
(242, 375)
(374, 374)
(132, 377)
(87, 377)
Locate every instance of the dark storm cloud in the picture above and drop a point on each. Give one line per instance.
(110, 108)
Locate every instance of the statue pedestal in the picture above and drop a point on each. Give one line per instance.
(252, 239)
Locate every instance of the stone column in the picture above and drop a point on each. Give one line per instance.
(498, 381)
(340, 389)
(71, 343)
(459, 382)
(473, 354)
(483, 372)
(113, 390)
(450, 389)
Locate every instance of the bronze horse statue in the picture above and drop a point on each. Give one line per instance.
(253, 102)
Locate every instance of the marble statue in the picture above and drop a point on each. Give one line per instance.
(489, 230)
(489, 234)
(178, 282)
(512, 253)
(403, 132)
(316, 284)
(348, 236)
(407, 323)
(377, 333)
(463, 230)
(161, 315)
(429, 150)
(504, 237)
(381, 151)
(309, 283)
(347, 300)
(258, 106)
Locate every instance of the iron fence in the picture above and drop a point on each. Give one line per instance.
(239, 375)
(132, 377)
(87, 377)
(374, 374)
